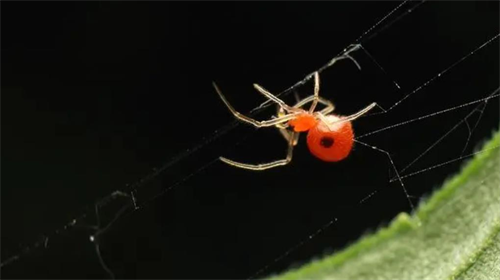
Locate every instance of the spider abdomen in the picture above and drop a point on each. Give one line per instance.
(333, 144)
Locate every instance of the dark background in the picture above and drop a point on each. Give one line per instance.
(96, 96)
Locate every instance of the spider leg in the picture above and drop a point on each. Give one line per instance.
(316, 92)
(296, 96)
(328, 109)
(281, 112)
(264, 166)
(286, 134)
(329, 105)
(346, 55)
(279, 109)
(360, 113)
(249, 120)
(273, 98)
(347, 118)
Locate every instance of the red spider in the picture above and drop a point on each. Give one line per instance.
(330, 137)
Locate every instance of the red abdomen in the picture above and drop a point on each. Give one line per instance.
(331, 145)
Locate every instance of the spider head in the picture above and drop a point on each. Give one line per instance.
(303, 122)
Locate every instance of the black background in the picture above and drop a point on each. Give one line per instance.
(95, 96)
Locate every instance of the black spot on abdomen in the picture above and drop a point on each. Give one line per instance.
(326, 142)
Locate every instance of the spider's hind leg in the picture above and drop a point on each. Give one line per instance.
(269, 165)
(287, 134)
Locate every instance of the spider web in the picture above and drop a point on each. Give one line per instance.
(461, 119)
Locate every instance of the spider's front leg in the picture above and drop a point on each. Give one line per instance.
(249, 120)
(316, 93)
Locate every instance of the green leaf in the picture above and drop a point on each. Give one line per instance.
(454, 235)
